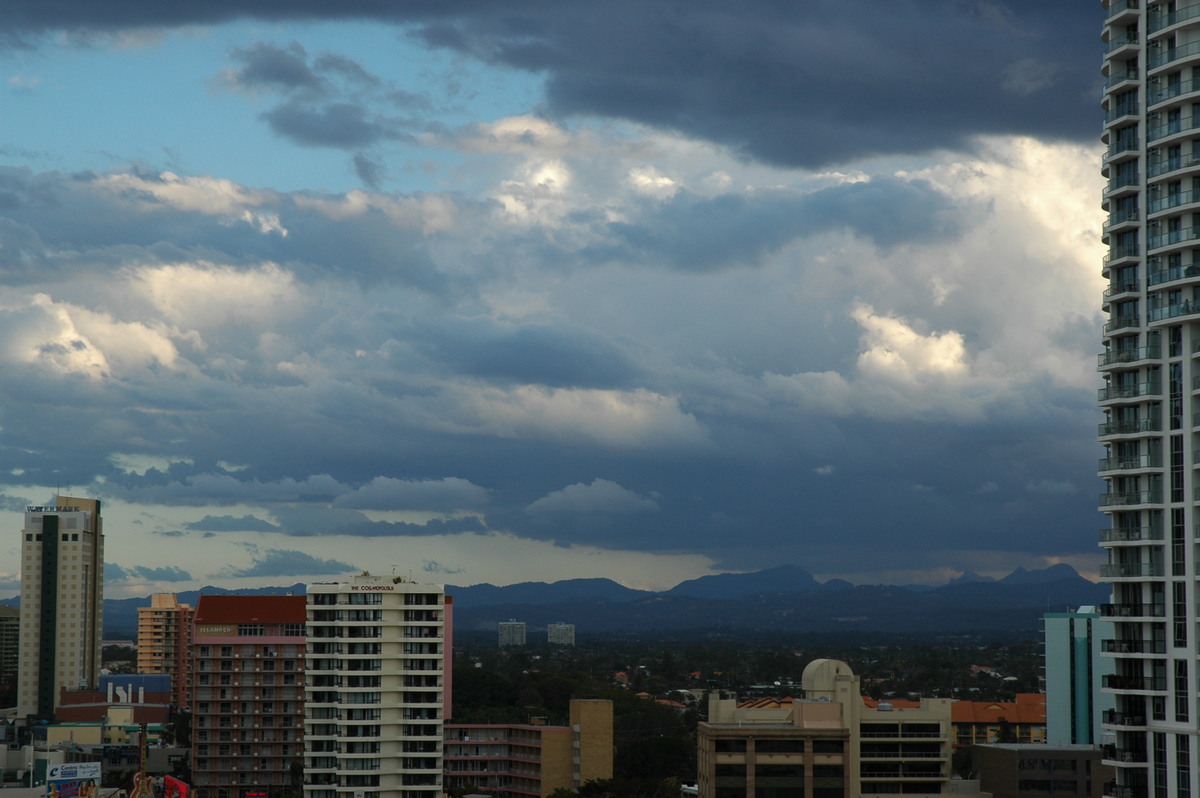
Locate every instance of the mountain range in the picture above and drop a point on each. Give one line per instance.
(783, 599)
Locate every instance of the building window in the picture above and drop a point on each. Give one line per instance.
(250, 630)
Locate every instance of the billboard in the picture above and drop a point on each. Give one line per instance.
(174, 788)
(76, 780)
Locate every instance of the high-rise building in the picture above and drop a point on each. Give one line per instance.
(1151, 374)
(62, 602)
(10, 643)
(560, 634)
(248, 704)
(1076, 674)
(512, 633)
(164, 644)
(378, 688)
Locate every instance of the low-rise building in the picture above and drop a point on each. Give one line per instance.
(830, 743)
(1032, 771)
(516, 760)
(1019, 721)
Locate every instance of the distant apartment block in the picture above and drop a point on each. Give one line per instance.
(62, 602)
(518, 760)
(1019, 721)
(164, 644)
(512, 633)
(378, 687)
(1076, 673)
(829, 744)
(248, 704)
(560, 634)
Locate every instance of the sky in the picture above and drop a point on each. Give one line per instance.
(527, 291)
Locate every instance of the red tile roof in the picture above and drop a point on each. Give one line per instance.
(251, 609)
(1028, 708)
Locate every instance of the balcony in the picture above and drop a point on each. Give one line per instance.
(1173, 90)
(1131, 464)
(1156, 168)
(1115, 754)
(1185, 308)
(1173, 237)
(1134, 570)
(1174, 273)
(1120, 357)
(1161, 21)
(1124, 286)
(1127, 498)
(1131, 534)
(1123, 791)
(1121, 323)
(1113, 718)
(1133, 646)
(1130, 427)
(1133, 610)
(1171, 128)
(1135, 391)
(1113, 681)
(1164, 56)
(1172, 200)
(1117, 42)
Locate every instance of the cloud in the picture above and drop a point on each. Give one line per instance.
(284, 562)
(385, 493)
(169, 573)
(601, 496)
(783, 84)
(228, 523)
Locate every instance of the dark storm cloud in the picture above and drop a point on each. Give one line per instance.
(271, 67)
(559, 356)
(339, 124)
(800, 84)
(170, 573)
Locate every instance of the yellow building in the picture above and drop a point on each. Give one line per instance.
(828, 744)
(518, 760)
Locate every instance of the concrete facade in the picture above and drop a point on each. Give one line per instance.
(62, 602)
(164, 644)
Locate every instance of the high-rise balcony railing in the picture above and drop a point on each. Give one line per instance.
(1133, 610)
(1160, 276)
(1123, 286)
(1116, 754)
(1127, 498)
(1117, 6)
(1123, 144)
(1115, 681)
(1116, 357)
(1173, 237)
(1171, 128)
(1165, 55)
(1120, 110)
(1133, 646)
(1172, 200)
(1130, 427)
(1172, 90)
(1159, 21)
(1131, 570)
(1125, 791)
(1134, 391)
(1113, 718)
(1122, 322)
(1186, 308)
(1131, 464)
(1117, 42)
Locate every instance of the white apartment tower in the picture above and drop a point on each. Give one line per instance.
(376, 688)
(62, 602)
(1151, 394)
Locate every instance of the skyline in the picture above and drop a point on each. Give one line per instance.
(531, 291)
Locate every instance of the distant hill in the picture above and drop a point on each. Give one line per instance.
(783, 599)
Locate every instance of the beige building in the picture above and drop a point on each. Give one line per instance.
(10, 641)
(62, 602)
(376, 688)
(516, 760)
(828, 744)
(164, 644)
